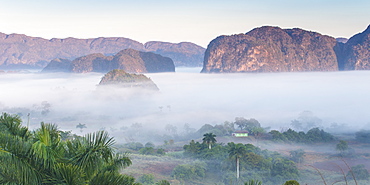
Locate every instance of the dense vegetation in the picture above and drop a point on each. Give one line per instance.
(269, 167)
(124, 79)
(42, 157)
(311, 136)
(227, 128)
(363, 136)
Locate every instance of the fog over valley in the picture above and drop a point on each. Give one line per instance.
(185, 92)
(339, 100)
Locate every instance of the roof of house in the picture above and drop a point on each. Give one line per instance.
(241, 131)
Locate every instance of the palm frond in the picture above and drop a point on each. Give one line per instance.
(17, 169)
(47, 148)
(111, 178)
(13, 125)
(94, 151)
(119, 161)
(69, 174)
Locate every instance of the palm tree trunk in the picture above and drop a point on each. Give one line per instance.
(237, 167)
(209, 146)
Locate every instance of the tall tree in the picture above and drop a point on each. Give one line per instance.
(210, 139)
(237, 151)
(246, 124)
(342, 146)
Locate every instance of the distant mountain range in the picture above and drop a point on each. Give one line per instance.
(21, 51)
(272, 49)
(264, 49)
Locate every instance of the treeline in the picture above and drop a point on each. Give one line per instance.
(147, 149)
(227, 128)
(314, 135)
(363, 136)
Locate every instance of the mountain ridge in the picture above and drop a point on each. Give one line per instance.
(20, 50)
(273, 49)
(130, 60)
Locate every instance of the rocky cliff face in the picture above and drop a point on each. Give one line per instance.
(355, 53)
(19, 51)
(183, 54)
(141, 62)
(130, 60)
(271, 49)
(58, 65)
(122, 79)
(96, 62)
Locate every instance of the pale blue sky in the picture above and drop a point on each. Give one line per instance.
(197, 21)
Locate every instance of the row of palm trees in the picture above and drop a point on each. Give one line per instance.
(42, 157)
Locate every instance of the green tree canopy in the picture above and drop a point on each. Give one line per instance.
(313, 135)
(363, 136)
(359, 171)
(342, 146)
(297, 155)
(197, 170)
(291, 182)
(246, 124)
(210, 139)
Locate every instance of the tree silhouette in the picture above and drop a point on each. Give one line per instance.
(81, 126)
(210, 139)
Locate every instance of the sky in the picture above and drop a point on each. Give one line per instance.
(178, 21)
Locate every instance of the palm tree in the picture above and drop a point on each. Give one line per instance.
(15, 148)
(210, 139)
(43, 158)
(237, 151)
(81, 126)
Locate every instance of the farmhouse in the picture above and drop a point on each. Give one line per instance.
(240, 133)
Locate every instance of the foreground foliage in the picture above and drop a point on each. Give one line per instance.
(42, 157)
